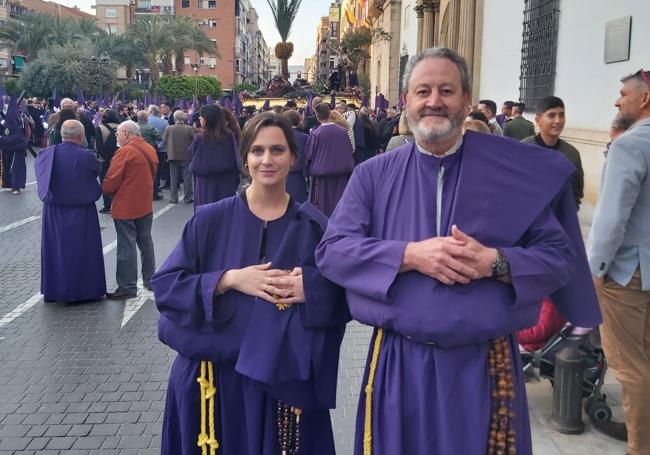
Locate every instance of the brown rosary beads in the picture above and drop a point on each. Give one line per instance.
(288, 428)
(502, 433)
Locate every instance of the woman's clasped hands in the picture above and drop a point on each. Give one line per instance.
(280, 287)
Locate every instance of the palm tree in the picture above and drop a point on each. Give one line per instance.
(189, 37)
(119, 48)
(151, 36)
(28, 35)
(284, 13)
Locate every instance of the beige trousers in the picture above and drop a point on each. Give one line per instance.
(625, 334)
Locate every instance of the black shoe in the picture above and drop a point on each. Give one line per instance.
(105, 210)
(189, 201)
(119, 294)
(616, 430)
(157, 197)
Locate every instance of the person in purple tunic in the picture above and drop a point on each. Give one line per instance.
(447, 247)
(296, 182)
(72, 262)
(13, 170)
(216, 164)
(329, 161)
(256, 326)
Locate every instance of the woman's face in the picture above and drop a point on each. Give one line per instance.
(269, 159)
(202, 122)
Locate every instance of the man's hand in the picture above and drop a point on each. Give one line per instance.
(446, 259)
(483, 256)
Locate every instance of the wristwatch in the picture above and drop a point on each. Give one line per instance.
(500, 266)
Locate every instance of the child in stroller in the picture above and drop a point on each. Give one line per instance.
(541, 363)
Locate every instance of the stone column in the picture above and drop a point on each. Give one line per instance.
(453, 24)
(428, 24)
(466, 31)
(420, 15)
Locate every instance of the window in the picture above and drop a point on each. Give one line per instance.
(187, 61)
(212, 61)
(212, 23)
(2, 22)
(111, 12)
(212, 4)
(185, 4)
(202, 61)
(538, 50)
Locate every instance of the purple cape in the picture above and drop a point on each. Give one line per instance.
(216, 166)
(329, 163)
(296, 184)
(508, 195)
(262, 354)
(72, 262)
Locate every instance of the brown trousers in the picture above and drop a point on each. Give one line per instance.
(625, 334)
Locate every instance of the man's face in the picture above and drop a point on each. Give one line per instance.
(340, 109)
(635, 96)
(551, 122)
(164, 109)
(486, 111)
(435, 103)
(506, 110)
(67, 105)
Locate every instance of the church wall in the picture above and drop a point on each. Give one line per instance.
(384, 61)
(409, 29)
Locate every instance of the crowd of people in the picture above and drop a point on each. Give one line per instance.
(450, 228)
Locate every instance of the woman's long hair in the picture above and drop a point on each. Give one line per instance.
(215, 126)
(232, 122)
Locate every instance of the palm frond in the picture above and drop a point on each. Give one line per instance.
(284, 14)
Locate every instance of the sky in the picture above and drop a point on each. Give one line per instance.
(303, 32)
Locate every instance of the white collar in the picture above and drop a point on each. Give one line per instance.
(449, 152)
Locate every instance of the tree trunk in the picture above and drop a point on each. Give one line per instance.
(285, 68)
(167, 63)
(180, 63)
(154, 69)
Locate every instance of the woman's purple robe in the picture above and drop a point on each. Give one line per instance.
(296, 184)
(260, 354)
(329, 163)
(72, 262)
(216, 166)
(432, 385)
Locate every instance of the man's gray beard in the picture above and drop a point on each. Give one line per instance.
(626, 120)
(421, 134)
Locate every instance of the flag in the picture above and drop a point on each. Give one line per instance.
(195, 104)
(97, 119)
(56, 99)
(222, 100)
(237, 105)
(114, 102)
(228, 103)
(80, 97)
(266, 106)
(379, 103)
(208, 100)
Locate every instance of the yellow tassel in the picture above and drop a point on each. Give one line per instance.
(203, 437)
(367, 430)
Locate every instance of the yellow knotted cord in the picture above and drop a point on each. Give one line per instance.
(210, 393)
(203, 436)
(367, 431)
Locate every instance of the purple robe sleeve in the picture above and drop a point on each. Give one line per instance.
(184, 293)
(347, 256)
(309, 153)
(543, 262)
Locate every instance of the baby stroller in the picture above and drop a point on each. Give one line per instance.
(541, 364)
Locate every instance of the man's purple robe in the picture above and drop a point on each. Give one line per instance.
(216, 166)
(432, 386)
(329, 163)
(72, 262)
(296, 184)
(14, 149)
(260, 354)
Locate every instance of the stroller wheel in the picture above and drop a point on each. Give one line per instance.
(599, 411)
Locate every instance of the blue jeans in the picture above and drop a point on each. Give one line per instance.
(129, 234)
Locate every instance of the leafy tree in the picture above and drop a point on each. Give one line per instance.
(12, 86)
(245, 86)
(28, 35)
(284, 14)
(120, 49)
(176, 87)
(188, 37)
(67, 68)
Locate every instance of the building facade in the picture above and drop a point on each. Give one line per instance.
(384, 69)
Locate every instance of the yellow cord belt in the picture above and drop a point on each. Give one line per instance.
(367, 430)
(208, 391)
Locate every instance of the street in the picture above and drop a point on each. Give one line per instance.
(91, 378)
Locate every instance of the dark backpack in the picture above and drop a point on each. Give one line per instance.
(109, 146)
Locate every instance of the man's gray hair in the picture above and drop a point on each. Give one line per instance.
(130, 127)
(179, 116)
(72, 129)
(438, 52)
(343, 105)
(154, 110)
(142, 116)
(67, 101)
(639, 78)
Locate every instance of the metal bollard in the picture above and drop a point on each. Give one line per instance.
(567, 391)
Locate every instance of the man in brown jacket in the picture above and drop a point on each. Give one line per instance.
(130, 182)
(178, 138)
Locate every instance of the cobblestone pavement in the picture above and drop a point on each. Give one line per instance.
(91, 378)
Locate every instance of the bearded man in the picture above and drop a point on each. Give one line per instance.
(447, 247)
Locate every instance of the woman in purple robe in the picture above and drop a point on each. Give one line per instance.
(296, 181)
(256, 326)
(215, 164)
(13, 170)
